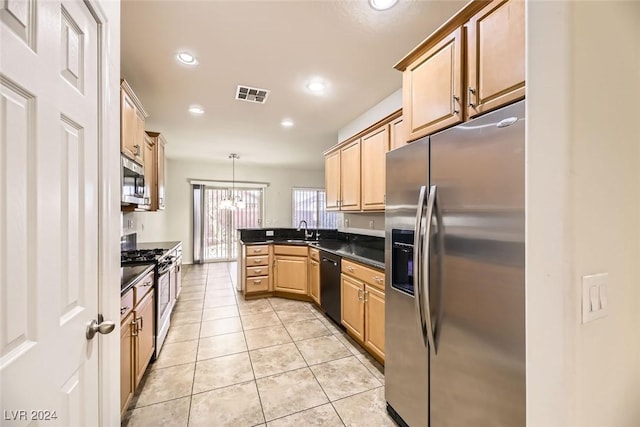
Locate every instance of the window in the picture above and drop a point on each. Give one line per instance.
(308, 204)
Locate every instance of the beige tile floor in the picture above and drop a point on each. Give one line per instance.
(267, 362)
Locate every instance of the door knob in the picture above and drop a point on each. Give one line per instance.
(104, 327)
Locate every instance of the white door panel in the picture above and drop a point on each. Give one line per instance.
(48, 212)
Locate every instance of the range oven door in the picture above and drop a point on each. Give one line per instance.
(164, 305)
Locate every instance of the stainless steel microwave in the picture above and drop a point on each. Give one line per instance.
(132, 180)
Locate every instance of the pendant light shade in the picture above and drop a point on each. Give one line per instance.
(231, 201)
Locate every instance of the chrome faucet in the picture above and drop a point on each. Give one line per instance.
(307, 234)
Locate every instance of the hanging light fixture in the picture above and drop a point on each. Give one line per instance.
(232, 201)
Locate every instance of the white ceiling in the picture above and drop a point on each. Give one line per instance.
(276, 45)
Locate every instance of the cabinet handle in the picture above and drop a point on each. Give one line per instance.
(257, 250)
(366, 300)
(360, 298)
(141, 323)
(255, 282)
(274, 263)
(137, 147)
(258, 271)
(471, 92)
(256, 261)
(135, 329)
(454, 99)
(123, 310)
(149, 283)
(350, 269)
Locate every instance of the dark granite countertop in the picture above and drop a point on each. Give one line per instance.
(158, 245)
(131, 275)
(364, 249)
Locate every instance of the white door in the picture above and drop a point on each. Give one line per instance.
(49, 197)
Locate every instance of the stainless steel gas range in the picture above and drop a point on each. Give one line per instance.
(165, 256)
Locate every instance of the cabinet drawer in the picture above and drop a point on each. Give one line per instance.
(257, 271)
(290, 250)
(143, 287)
(257, 260)
(257, 250)
(314, 254)
(126, 304)
(366, 274)
(257, 284)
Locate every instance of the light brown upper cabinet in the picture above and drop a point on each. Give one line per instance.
(482, 46)
(131, 124)
(495, 56)
(432, 88)
(350, 177)
(149, 172)
(374, 147)
(156, 170)
(332, 180)
(355, 168)
(398, 135)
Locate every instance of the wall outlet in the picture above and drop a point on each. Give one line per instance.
(269, 233)
(346, 222)
(595, 303)
(371, 224)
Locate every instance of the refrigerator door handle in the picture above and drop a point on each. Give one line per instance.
(418, 240)
(431, 206)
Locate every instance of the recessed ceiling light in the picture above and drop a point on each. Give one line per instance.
(382, 4)
(196, 109)
(316, 86)
(287, 123)
(187, 58)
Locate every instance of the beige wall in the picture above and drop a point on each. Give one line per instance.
(175, 223)
(583, 211)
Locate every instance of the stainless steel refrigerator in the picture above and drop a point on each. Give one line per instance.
(455, 309)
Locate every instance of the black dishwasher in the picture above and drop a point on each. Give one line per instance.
(330, 265)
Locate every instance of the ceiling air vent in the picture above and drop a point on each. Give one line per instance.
(252, 94)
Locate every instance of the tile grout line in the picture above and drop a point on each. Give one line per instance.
(195, 365)
(255, 380)
(312, 374)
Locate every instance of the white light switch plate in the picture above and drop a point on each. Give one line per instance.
(595, 297)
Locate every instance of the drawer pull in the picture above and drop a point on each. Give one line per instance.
(350, 269)
(149, 283)
(123, 310)
(256, 261)
(255, 282)
(258, 271)
(257, 250)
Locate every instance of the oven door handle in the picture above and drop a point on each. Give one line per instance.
(164, 270)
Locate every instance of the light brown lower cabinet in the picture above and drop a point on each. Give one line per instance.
(362, 306)
(314, 280)
(126, 363)
(137, 343)
(374, 320)
(352, 306)
(144, 344)
(290, 274)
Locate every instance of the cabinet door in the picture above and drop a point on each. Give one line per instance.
(160, 178)
(290, 274)
(374, 148)
(126, 362)
(495, 56)
(432, 88)
(398, 136)
(139, 137)
(314, 280)
(149, 174)
(350, 177)
(127, 126)
(352, 305)
(144, 322)
(374, 321)
(332, 179)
